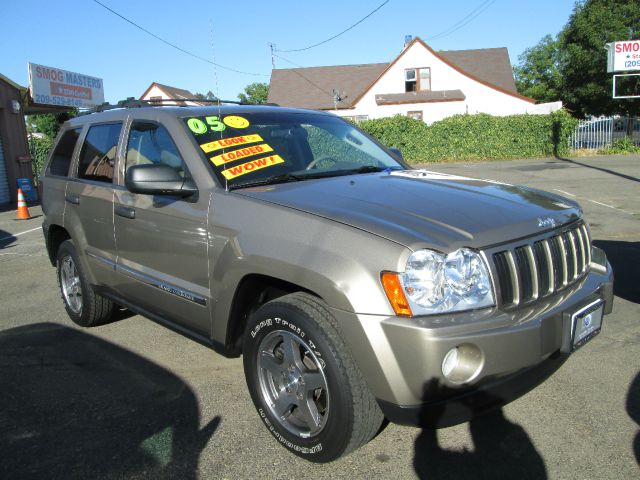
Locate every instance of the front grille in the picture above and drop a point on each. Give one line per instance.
(536, 269)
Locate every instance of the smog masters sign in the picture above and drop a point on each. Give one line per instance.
(53, 86)
(623, 56)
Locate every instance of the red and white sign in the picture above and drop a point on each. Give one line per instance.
(53, 86)
(623, 56)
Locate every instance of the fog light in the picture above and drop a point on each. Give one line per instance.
(450, 362)
(463, 363)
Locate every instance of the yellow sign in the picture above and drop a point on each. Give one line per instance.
(230, 142)
(234, 121)
(238, 170)
(240, 153)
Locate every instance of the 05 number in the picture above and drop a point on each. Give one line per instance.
(213, 124)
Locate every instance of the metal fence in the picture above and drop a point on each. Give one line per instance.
(600, 133)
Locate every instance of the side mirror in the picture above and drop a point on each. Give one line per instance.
(396, 151)
(158, 179)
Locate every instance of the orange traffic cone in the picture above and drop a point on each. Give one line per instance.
(23, 211)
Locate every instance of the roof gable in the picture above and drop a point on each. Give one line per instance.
(313, 87)
(171, 92)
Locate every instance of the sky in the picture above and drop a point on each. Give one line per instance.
(84, 37)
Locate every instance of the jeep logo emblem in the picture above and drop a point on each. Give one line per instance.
(546, 222)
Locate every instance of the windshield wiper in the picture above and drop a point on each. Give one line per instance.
(281, 178)
(370, 169)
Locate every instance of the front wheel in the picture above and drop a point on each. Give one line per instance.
(303, 381)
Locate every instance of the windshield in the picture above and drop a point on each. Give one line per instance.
(272, 147)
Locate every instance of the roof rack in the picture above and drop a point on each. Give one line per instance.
(135, 103)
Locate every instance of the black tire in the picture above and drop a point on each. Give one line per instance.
(335, 411)
(85, 307)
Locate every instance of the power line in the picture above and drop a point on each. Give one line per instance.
(175, 46)
(302, 76)
(338, 34)
(464, 20)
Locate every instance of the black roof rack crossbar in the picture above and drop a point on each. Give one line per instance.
(175, 102)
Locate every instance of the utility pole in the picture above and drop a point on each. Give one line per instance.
(272, 46)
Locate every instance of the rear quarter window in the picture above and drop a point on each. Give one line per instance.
(61, 158)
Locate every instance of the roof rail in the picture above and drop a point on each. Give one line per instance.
(174, 102)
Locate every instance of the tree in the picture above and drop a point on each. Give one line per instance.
(49, 123)
(208, 96)
(255, 93)
(537, 75)
(586, 85)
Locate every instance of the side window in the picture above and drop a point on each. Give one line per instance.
(151, 143)
(98, 154)
(61, 158)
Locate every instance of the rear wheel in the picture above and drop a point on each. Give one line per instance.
(85, 307)
(304, 382)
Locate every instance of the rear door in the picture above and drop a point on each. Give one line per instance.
(54, 180)
(162, 240)
(89, 201)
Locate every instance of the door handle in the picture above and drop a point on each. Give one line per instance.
(72, 198)
(126, 212)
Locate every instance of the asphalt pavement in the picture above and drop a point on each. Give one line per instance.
(132, 399)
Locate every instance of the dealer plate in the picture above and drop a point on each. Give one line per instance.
(586, 324)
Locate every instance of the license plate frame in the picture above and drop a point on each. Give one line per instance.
(585, 324)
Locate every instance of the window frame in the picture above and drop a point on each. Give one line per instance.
(84, 134)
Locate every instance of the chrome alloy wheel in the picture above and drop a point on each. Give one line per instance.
(70, 283)
(293, 384)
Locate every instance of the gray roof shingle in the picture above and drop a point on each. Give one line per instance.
(313, 87)
(489, 64)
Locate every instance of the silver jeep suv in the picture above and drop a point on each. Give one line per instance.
(356, 288)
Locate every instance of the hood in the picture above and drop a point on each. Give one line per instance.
(417, 208)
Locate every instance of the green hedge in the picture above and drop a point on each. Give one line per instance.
(475, 137)
(39, 150)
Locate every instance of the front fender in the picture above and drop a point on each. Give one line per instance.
(339, 263)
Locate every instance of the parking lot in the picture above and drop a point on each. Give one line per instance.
(132, 399)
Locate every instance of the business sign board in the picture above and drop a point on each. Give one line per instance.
(623, 56)
(53, 86)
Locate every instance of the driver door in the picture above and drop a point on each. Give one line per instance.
(162, 240)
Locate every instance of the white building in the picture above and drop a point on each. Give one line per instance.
(420, 83)
(168, 95)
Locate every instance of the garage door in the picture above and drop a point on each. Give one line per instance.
(4, 184)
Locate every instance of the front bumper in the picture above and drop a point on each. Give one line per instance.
(514, 351)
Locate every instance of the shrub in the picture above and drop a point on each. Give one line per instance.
(39, 150)
(622, 145)
(475, 137)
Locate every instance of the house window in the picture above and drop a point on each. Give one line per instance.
(417, 79)
(155, 99)
(356, 118)
(415, 114)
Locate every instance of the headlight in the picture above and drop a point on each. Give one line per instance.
(436, 283)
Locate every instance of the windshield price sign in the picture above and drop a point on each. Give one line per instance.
(54, 86)
(623, 56)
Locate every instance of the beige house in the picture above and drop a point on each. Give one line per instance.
(158, 91)
(420, 82)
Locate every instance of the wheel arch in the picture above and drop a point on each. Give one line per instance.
(55, 235)
(252, 291)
